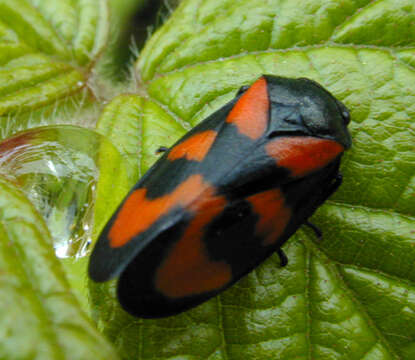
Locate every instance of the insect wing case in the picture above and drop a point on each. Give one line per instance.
(224, 197)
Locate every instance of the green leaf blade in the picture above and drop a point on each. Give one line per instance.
(30, 26)
(386, 298)
(47, 50)
(381, 23)
(220, 29)
(40, 317)
(92, 30)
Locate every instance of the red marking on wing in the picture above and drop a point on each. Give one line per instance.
(250, 113)
(273, 214)
(303, 154)
(195, 147)
(138, 213)
(187, 269)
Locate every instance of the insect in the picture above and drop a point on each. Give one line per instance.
(224, 197)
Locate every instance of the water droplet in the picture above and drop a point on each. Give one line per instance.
(57, 168)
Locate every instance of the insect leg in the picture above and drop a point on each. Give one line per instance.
(313, 227)
(330, 190)
(283, 257)
(162, 149)
(333, 186)
(242, 89)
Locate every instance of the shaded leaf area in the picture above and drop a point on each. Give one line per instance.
(131, 24)
(46, 49)
(326, 304)
(118, 52)
(40, 317)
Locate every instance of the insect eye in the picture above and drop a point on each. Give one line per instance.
(346, 117)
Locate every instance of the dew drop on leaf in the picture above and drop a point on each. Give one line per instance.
(57, 169)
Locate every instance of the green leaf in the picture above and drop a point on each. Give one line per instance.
(348, 296)
(40, 318)
(46, 51)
